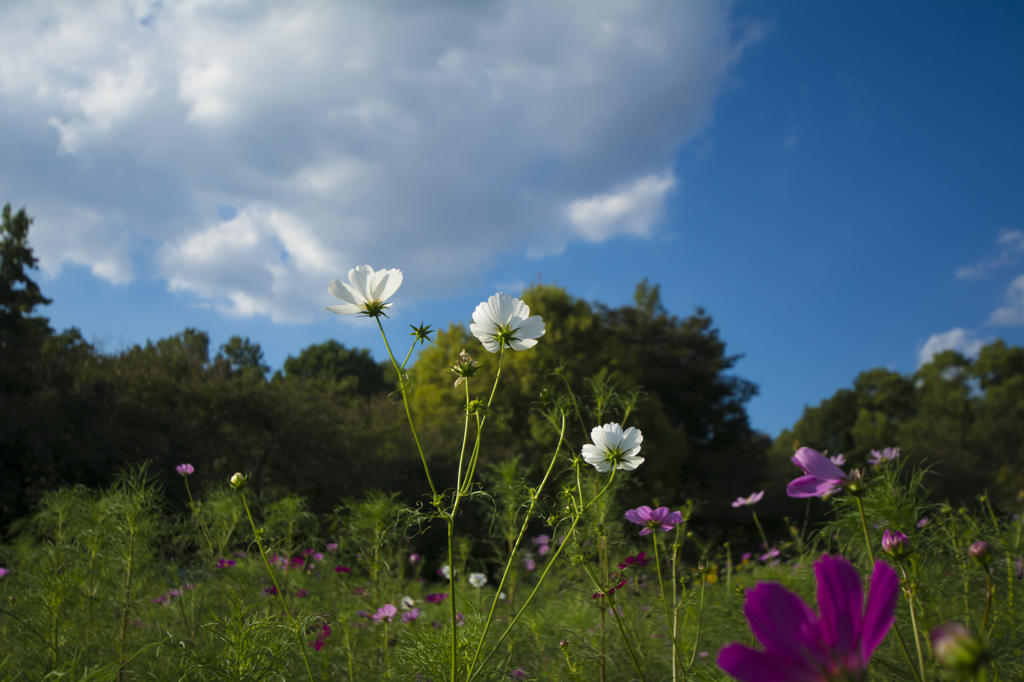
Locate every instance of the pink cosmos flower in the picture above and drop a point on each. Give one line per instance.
(895, 543)
(386, 612)
(822, 476)
(529, 563)
(638, 561)
(415, 559)
(654, 519)
(332, 546)
(410, 615)
(886, 455)
(748, 501)
(342, 569)
(839, 460)
(321, 637)
(225, 563)
(185, 469)
(922, 522)
(436, 598)
(272, 591)
(770, 554)
(4, 571)
(801, 646)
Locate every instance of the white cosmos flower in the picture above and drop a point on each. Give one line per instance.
(477, 580)
(613, 448)
(366, 291)
(502, 319)
(408, 603)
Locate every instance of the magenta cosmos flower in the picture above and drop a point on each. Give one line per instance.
(801, 646)
(654, 519)
(185, 469)
(886, 455)
(386, 612)
(748, 501)
(822, 476)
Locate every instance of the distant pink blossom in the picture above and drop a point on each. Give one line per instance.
(332, 546)
(415, 559)
(654, 519)
(342, 569)
(770, 554)
(301, 593)
(436, 598)
(385, 613)
(839, 460)
(272, 591)
(410, 615)
(185, 469)
(802, 646)
(638, 561)
(529, 563)
(318, 557)
(922, 522)
(225, 563)
(822, 476)
(321, 637)
(748, 501)
(4, 571)
(886, 455)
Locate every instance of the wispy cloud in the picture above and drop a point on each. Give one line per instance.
(1013, 311)
(1012, 247)
(427, 136)
(962, 340)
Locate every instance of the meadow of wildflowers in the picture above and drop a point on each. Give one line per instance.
(567, 583)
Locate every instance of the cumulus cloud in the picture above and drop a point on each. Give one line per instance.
(1013, 311)
(962, 340)
(426, 136)
(1012, 246)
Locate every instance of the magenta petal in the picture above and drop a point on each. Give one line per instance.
(881, 609)
(749, 665)
(674, 518)
(841, 602)
(646, 531)
(640, 515)
(809, 486)
(816, 464)
(784, 624)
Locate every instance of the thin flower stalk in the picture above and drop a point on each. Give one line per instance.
(408, 410)
(664, 603)
(760, 530)
(913, 618)
(522, 533)
(988, 601)
(864, 525)
(540, 581)
(700, 623)
(277, 590)
(615, 612)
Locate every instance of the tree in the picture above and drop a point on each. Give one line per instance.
(331, 362)
(243, 355)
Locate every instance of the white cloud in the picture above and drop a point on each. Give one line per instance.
(426, 136)
(632, 209)
(1012, 243)
(1013, 311)
(962, 340)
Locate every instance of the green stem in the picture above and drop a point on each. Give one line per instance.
(480, 426)
(280, 595)
(700, 622)
(988, 600)
(408, 411)
(540, 580)
(451, 586)
(757, 523)
(465, 438)
(664, 600)
(913, 620)
(906, 652)
(615, 613)
(195, 512)
(864, 525)
(508, 566)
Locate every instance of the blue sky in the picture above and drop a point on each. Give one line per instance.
(840, 185)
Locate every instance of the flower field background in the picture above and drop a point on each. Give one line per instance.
(172, 516)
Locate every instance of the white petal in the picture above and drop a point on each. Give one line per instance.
(632, 438)
(520, 309)
(522, 345)
(342, 291)
(504, 307)
(394, 281)
(529, 328)
(629, 463)
(483, 316)
(359, 278)
(346, 309)
(376, 284)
